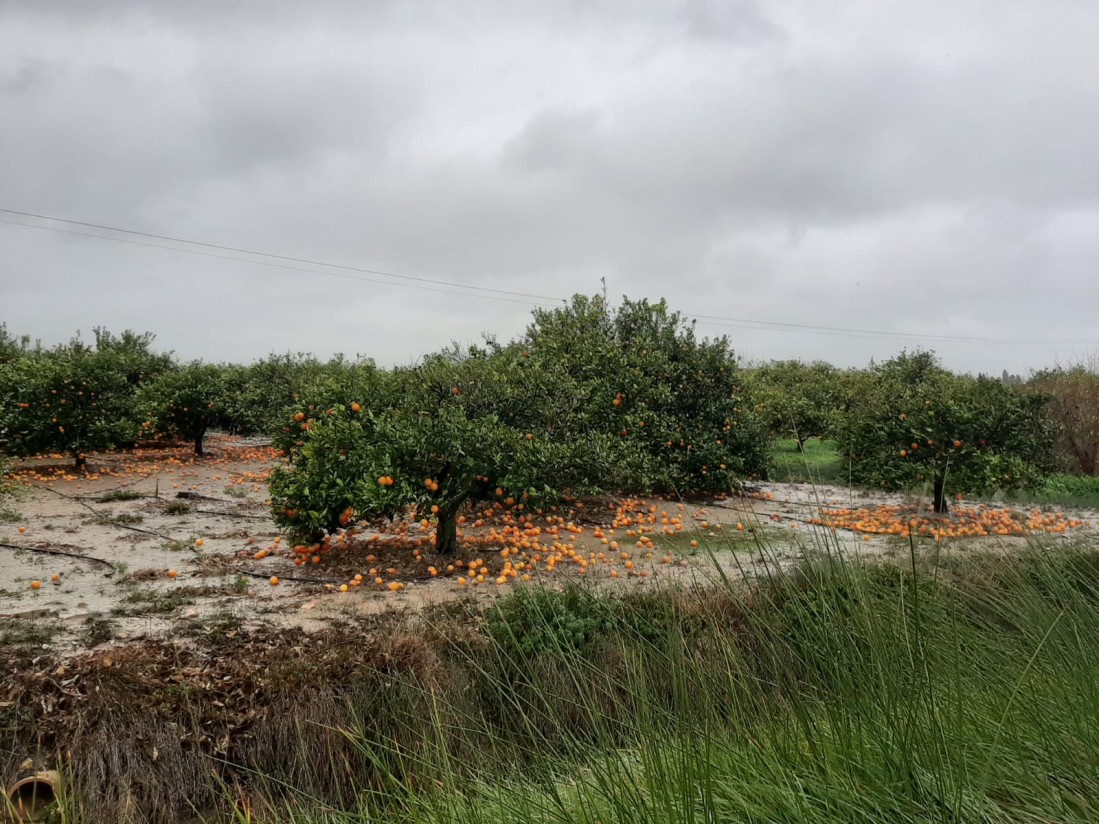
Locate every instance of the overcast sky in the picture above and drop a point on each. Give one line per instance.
(927, 169)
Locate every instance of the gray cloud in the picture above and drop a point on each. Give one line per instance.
(915, 169)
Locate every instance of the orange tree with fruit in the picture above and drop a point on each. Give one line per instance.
(589, 400)
(916, 423)
(75, 398)
(261, 391)
(186, 401)
(797, 400)
(461, 427)
(645, 377)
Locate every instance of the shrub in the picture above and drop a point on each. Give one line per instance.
(1074, 406)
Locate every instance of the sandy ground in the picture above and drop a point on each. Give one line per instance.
(121, 587)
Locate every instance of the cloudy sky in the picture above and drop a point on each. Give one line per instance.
(928, 170)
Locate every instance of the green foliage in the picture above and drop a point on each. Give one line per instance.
(586, 401)
(816, 461)
(917, 423)
(456, 428)
(263, 391)
(74, 398)
(797, 400)
(1074, 407)
(536, 620)
(647, 378)
(186, 401)
(13, 347)
(71, 399)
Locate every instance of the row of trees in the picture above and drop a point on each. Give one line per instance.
(590, 398)
(80, 397)
(977, 433)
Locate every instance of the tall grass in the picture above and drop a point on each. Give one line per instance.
(962, 689)
(941, 690)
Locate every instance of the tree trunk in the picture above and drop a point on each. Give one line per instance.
(446, 531)
(199, 435)
(940, 502)
(81, 462)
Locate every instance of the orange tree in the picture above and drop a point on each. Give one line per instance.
(260, 392)
(72, 399)
(186, 401)
(916, 423)
(319, 393)
(645, 377)
(796, 399)
(490, 424)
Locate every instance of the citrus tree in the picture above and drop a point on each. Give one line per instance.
(259, 393)
(72, 399)
(644, 376)
(797, 400)
(916, 423)
(186, 402)
(318, 392)
(486, 425)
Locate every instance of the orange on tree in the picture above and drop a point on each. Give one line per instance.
(892, 411)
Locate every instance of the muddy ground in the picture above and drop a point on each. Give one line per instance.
(157, 543)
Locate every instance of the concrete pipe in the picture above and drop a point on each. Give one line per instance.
(30, 798)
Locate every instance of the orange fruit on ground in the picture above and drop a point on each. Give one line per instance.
(55, 577)
(273, 580)
(22, 529)
(36, 585)
(172, 573)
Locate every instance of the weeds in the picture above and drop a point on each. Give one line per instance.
(155, 602)
(956, 688)
(30, 632)
(98, 631)
(119, 519)
(119, 495)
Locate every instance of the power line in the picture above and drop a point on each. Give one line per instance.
(286, 266)
(484, 292)
(779, 326)
(238, 250)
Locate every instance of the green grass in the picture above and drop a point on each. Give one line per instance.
(821, 463)
(818, 463)
(718, 537)
(961, 689)
(1078, 491)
